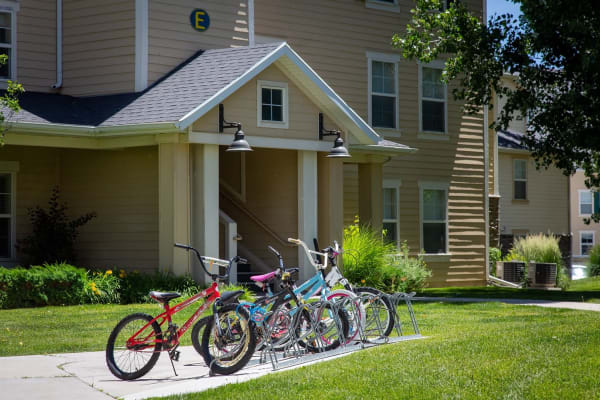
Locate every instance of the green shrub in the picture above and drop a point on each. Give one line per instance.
(57, 284)
(495, 255)
(369, 261)
(53, 235)
(594, 262)
(542, 249)
(102, 287)
(134, 286)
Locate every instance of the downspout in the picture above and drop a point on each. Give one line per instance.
(59, 72)
(251, 40)
(486, 171)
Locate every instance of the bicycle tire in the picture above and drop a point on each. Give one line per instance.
(376, 304)
(136, 359)
(197, 331)
(319, 342)
(238, 328)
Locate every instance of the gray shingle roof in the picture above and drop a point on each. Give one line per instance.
(509, 139)
(168, 100)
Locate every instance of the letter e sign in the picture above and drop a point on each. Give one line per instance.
(200, 20)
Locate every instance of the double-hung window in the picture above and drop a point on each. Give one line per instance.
(432, 95)
(8, 171)
(8, 42)
(586, 242)
(586, 202)
(434, 218)
(272, 104)
(520, 179)
(383, 90)
(391, 224)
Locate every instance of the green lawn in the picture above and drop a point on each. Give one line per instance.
(587, 290)
(473, 351)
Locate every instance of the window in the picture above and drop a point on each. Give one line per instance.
(7, 209)
(8, 41)
(383, 91)
(586, 242)
(586, 202)
(391, 218)
(384, 5)
(272, 104)
(432, 94)
(434, 218)
(520, 179)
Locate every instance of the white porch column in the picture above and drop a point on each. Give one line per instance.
(173, 206)
(307, 207)
(205, 205)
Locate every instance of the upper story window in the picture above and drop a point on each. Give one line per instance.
(391, 217)
(432, 94)
(8, 41)
(520, 179)
(586, 202)
(383, 5)
(383, 90)
(434, 218)
(272, 104)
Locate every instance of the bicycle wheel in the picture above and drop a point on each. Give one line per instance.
(378, 309)
(354, 309)
(319, 332)
(229, 352)
(129, 357)
(197, 331)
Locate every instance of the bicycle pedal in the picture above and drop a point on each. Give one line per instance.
(174, 355)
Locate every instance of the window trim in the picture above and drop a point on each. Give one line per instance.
(386, 58)
(580, 191)
(383, 5)
(11, 168)
(12, 8)
(393, 184)
(581, 233)
(433, 186)
(514, 179)
(423, 134)
(283, 86)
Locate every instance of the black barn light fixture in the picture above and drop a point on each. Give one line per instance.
(239, 143)
(338, 151)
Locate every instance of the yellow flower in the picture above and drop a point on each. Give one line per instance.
(362, 281)
(123, 274)
(108, 272)
(20, 343)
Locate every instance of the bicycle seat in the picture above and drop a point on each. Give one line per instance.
(227, 297)
(164, 297)
(262, 278)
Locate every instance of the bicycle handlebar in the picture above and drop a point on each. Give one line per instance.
(228, 263)
(309, 253)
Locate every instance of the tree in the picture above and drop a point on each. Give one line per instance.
(552, 51)
(9, 101)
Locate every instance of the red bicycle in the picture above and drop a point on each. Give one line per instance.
(228, 341)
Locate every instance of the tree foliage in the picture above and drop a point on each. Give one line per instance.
(553, 53)
(8, 101)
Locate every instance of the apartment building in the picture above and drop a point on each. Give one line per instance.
(127, 110)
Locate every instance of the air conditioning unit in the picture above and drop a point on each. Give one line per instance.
(513, 271)
(542, 274)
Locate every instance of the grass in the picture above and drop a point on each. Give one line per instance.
(473, 351)
(587, 290)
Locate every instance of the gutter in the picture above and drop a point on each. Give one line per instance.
(92, 131)
(59, 71)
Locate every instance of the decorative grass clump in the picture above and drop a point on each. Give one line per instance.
(594, 263)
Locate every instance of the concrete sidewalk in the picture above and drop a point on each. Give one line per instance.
(573, 305)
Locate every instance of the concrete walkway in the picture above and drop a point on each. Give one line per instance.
(573, 305)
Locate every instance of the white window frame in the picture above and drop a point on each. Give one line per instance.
(12, 8)
(383, 5)
(433, 186)
(581, 233)
(423, 134)
(283, 86)
(394, 184)
(515, 160)
(11, 168)
(580, 191)
(386, 58)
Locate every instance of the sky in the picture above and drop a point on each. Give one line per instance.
(502, 7)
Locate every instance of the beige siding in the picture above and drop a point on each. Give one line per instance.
(171, 38)
(98, 47)
(334, 41)
(36, 45)
(120, 186)
(242, 106)
(547, 206)
(576, 184)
